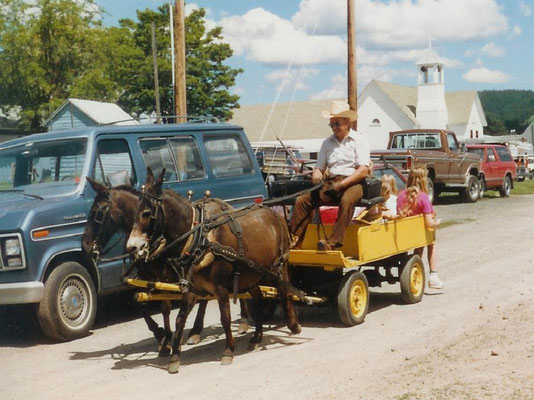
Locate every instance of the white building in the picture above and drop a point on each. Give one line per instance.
(382, 108)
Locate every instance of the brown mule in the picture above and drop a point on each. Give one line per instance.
(114, 209)
(264, 245)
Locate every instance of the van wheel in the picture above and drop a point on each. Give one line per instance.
(470, 193)
(68, 308)
(506, 187)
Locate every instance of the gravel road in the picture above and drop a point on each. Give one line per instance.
(472, 340)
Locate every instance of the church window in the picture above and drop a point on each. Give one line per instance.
(375, 122)
(424, 70)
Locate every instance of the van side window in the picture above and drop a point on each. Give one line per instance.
(157, 155)
(113, 164)
(491, 155)
(187, 158)
(227, 156)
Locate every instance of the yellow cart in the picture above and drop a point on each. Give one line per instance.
(343, 276)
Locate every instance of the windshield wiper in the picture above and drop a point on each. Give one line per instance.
(35, 196)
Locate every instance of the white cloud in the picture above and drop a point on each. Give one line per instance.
(337, 89)
(291, 79)
(406, 23)
(524, 9)
(484, 75)
(492, 50)
(516, 31)
(267, 38)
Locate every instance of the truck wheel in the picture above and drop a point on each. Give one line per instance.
(482, 190)
(353, 298)
(68, 308)
(412, 280)
(470, 193)
(431, 192)
(506, 187)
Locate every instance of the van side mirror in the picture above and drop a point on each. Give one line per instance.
(463, 147)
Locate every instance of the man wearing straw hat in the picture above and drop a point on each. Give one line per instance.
(346, 154)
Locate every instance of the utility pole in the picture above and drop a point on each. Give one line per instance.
(351, 60)
(180, 99)
(156, 81)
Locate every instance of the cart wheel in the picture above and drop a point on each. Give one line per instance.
(412, 280)
(353, 298)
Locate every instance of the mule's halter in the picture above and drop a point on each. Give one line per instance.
(156, 224)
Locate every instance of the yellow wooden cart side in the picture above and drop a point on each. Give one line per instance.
(364, 243)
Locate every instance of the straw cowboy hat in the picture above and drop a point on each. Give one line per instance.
(340, 109)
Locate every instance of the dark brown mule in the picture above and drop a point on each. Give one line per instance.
(265, 244)
(114, 209)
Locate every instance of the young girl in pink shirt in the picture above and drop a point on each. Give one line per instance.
(414, 200)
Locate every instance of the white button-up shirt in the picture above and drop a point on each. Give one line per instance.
(345, 157)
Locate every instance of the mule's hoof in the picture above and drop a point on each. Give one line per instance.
(295, 329)
(253, 345)
(164, 351)
(174, 365)
(227, 357)
(193, 339)
(242, 328)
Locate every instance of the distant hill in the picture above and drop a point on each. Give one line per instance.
(507, 109)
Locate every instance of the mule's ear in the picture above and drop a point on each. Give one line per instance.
(159, 182)
(97, 187)
(149, 182)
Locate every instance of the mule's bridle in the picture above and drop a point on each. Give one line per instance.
(103, 219)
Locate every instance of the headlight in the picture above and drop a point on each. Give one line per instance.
(11, 252)
(12, 247)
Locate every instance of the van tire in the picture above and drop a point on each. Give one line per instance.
(68, 309)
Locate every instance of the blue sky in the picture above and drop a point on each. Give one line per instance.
(296, 49)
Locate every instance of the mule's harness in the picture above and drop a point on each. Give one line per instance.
(198, 245)
(102, 217)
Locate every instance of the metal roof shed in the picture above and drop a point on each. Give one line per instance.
(78, 113)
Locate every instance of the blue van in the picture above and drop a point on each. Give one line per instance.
(45, 201)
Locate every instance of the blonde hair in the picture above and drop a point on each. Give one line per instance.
(390, 179)
(385, 189)
(417, 180)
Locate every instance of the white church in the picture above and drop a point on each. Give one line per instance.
(382, 108)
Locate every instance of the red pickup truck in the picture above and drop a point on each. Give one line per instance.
(450, 169)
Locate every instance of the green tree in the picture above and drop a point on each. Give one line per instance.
(44, 48)
(208, 79)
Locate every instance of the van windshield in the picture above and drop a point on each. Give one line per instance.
(45, 169)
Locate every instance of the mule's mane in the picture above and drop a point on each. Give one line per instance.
(127, 188)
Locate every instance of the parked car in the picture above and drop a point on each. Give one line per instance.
(498, 170)
(45, 201)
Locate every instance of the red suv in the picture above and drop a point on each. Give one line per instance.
(498, 170)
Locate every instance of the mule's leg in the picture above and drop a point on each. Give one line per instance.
(159, 333)
(287, 304)
(226, 319)
(194, 334)
(165, 342)
(245, 316)
(257, 303)
(188, 302)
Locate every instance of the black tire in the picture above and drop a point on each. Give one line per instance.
(482, 189)
(470, 193)
(431, 191)
(353, 298)
(68, 308)
(412, 280)
(506, 187)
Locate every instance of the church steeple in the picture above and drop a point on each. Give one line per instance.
(431, 109)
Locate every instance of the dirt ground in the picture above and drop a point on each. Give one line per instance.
(472, 340)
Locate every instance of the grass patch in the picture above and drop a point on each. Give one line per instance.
(452, 222)
(525, 187)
